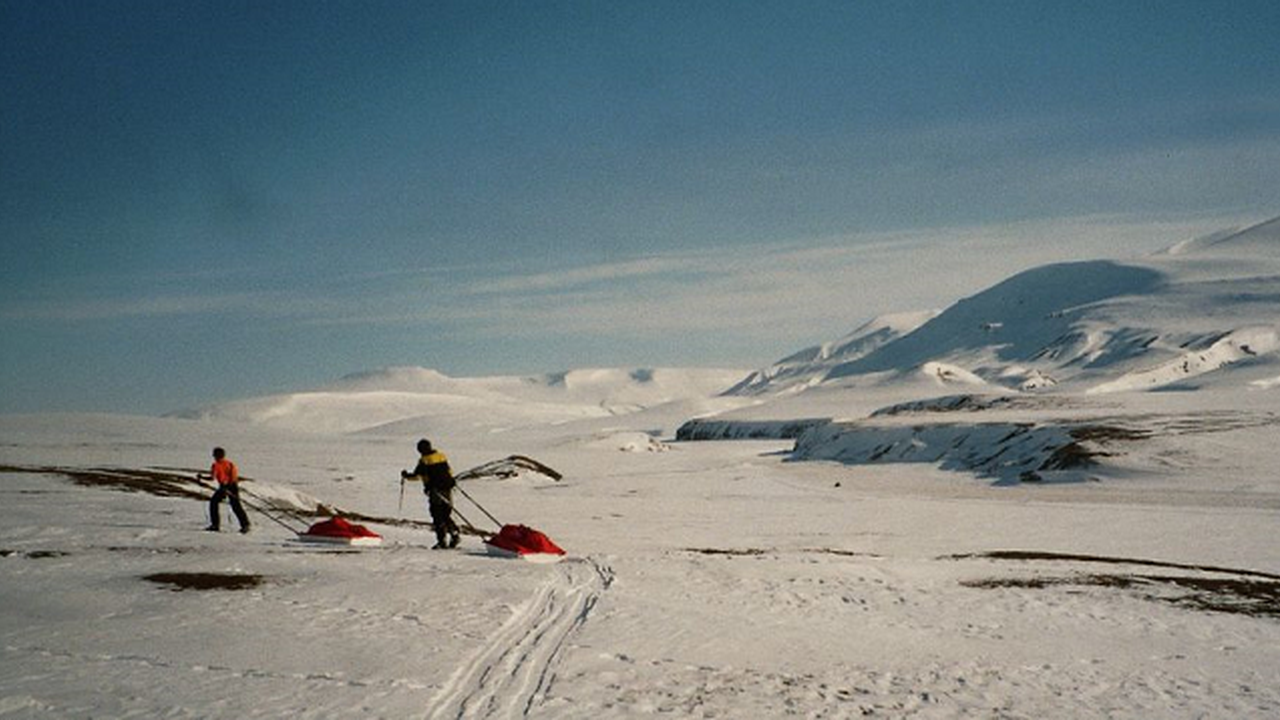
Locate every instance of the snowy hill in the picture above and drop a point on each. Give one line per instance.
(811, 365)
(402, 397)
(1203, 307)
(1020, 381)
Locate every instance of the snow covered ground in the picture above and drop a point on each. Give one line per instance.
(913, 551)
(712, 580)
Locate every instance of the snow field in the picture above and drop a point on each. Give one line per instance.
(712, 580)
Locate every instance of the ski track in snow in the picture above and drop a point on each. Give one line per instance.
(511, 674)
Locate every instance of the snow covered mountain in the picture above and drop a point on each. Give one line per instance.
(1203, 311)
(1024, 381)
(428, 399)
(811, 365)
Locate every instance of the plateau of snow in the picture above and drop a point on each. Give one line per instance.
(1056, 498)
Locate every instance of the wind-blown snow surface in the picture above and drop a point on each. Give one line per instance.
(707, 579)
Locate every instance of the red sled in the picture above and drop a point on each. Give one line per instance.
(519, 541)
(337, 531)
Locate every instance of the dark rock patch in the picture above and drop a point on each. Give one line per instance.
(179, 581)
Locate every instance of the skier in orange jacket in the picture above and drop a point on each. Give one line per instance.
(228, 477)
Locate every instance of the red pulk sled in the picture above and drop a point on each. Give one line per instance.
(337, 531)
(518, 541)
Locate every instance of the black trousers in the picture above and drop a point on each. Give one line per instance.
(441, 517)
(231, 491)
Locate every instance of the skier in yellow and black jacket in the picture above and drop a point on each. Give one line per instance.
(437, 482)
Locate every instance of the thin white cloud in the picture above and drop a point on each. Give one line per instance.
(575, 277)
(104, 307)
(815, 289)
(159, 306)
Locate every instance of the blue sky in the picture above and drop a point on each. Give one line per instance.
(206, 200)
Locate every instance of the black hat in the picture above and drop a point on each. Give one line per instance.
(424, 446)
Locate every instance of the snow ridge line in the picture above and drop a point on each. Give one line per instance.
(511, 674)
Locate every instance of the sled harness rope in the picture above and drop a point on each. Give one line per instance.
(258, 508)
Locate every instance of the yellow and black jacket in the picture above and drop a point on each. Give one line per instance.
(434, 473)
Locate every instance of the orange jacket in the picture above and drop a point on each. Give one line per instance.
(224, 471)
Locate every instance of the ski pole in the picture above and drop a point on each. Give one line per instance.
(400, 505)
(258, 509)
(261, 511)
(465, 521)
(454, 509)
(473, 502)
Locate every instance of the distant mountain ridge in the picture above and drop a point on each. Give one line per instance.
(1264, 237)
(365, 401)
